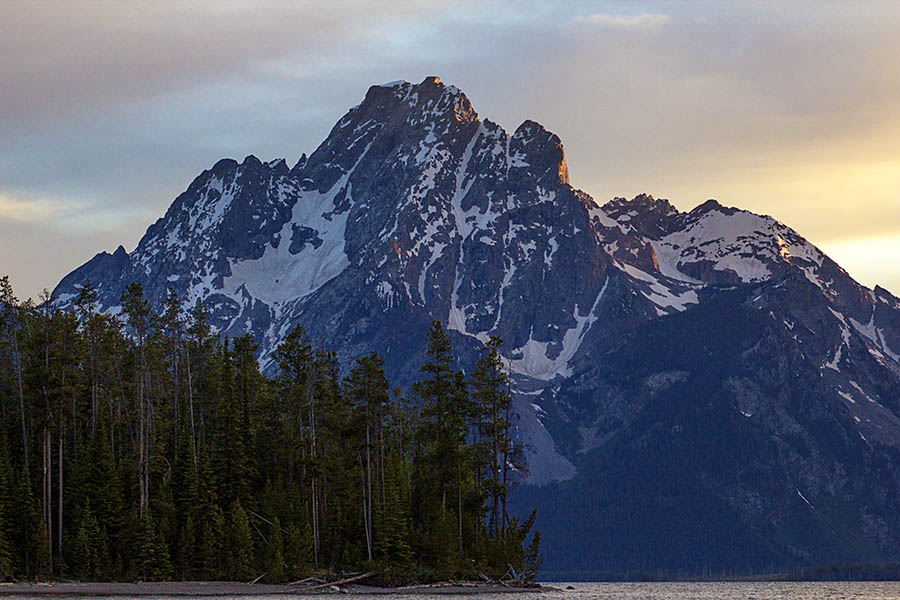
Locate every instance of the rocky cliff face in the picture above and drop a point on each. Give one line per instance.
(627, 326)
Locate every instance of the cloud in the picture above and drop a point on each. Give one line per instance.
(70, 60)
(34, 211)
(782, 108)
(641, 21)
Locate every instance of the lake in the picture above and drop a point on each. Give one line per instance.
(868, 590)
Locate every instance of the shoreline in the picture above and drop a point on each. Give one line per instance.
(234, 588)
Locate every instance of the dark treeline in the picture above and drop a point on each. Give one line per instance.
(143, 446)
(847, 572)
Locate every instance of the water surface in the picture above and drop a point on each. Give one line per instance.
(867, 590)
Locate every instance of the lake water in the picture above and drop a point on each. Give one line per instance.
(729, 591)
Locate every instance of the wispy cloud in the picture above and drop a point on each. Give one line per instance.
(33, 211)
(641, 21)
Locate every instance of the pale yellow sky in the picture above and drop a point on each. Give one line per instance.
(790, 108)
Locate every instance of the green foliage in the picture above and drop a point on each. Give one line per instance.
(298, 547)
(240, 544)
(212, 534)
(180, 459)
(90, 558)
(275, 554)
(40, 548)
(6, 559)
(151, 562)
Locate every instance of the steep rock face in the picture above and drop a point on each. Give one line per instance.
(635, 333)
(756, 434)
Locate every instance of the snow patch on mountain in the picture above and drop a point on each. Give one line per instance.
(737, 241)
(661, 295)
(280, 275)
(531, 359)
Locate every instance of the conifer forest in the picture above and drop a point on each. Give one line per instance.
(142, 446)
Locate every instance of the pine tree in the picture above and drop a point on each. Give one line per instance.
(186, 550)
(152, 559)
(40, 548)
(89, 550)
(6, 512)
(212, 543)
(275, 554)
(298, 547)
(137, 309)
(24, 506)
(496, 446)
(6, 557)
(230, 458)
(392, 520)
(442, 434)
(366, 387)
(240, 544)
(12, 320)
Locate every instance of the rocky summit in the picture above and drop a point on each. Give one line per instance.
(700, 391)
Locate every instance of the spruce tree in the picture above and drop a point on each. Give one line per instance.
(6, 512)
(186, 554)
(212, 543)
(6, 557)
(240, 544)
(392, 534)
(151, 562)
(275, 554)
(298, 547)
(90, 551)
(442, 435)
(230, 456)
(40, 548)
(366, 388)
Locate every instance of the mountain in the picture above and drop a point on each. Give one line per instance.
(700, 391)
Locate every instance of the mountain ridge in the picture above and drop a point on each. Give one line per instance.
(414, 208)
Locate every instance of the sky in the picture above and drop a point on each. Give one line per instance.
(109, 110)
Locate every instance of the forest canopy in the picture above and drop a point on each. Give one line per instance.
(144, 446)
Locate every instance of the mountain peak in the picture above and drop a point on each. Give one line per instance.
(638, 204)
(430, 98)
(712, 204)
(251, 160)
(530, 142)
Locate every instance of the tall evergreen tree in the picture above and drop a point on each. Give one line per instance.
(274, 555)
(240, 544)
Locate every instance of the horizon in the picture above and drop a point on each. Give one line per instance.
(677, 101)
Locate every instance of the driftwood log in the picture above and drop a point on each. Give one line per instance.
(341, 582)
